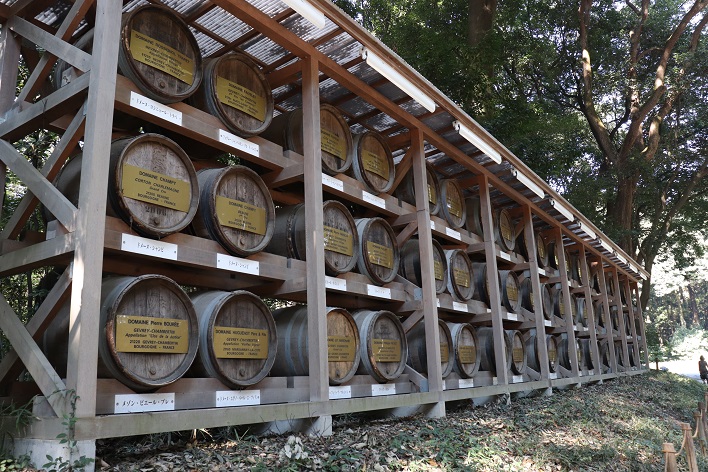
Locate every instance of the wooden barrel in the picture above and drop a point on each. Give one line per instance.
(575, 267)
(237, 338)
(481, 285)
(627, 325)
(378, 255)
(466, 349)
(486, 341)
(595, 278)
(406, 190)
(581, 311)
(152, 184)
(504, 230)
(474, 216)
(286, 130)
(564, 352)
(604, 357)
(559, 308)
(418, 353)
(372, 162)
(460, 275)
(632, 357)
(509, 290)
(518, 351)
(159, 53)
(532, 352)
(235, 209)
(384, 348)
(600, 315)
(618, 354)
(574, 308)
(610, 284)
(552, 255)
(541, 250)
(148, 337)
(587, 354)
(237, 92)
(526, 289)
(410, 269)
(547, 300)
(521, 247)
(453, 208)
(340, 236)
(614, 316)
(293, 357)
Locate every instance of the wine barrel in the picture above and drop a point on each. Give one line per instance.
(533, 358)
(152, 184)
(600, 315)
(384, 348)
(378, 255)
(410, 269)
(466, 349)
(521, 247)
(460, 275)
(474, 216)
(595, 278)
(575, 267)
(486, 341)
(627, 325)
(518, 351)
(614, 316)
(552, 255)
(526, 289)
(509, 288)
(481, 285)
(418, 353)
(618, 354)
(237, 338)
(236, 91)
(547, 301)
(159, 53)
(504, 230)
(406, 190)
(564, 352)
(235, 209)
(372, 162)
(286, 130)
(604, 357)
(610, 284)
(340, 236)
(581, 312)
(541, 250)
(452, 208)
(559, 308)
(293, 357)
(632, 357)
(148, 332)
(587, 354)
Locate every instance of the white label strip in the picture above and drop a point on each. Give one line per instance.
(226, 398)
(373, 199)
(148, 247)
(379, 390)
(457, 306)
(505, 256)
(331, 182)
(495, 381)
(432, 224)
(143, 402)
(547, 323)
(517, 378)
(335, 283)
(466, 383)
(239, 143)
(437, 301)
(155, 108)
(376, 291)
(236, 264)
(489, 310)
(553, 375)
(541, 272)
(339, 392)
(453, 234)
(591, 372)
(512, 317)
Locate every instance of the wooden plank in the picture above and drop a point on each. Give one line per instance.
(634, 329)
(565, 287)
(41, 254)
(608, 317)
(9, 58)
(642, 326)
(589, 310)
(620, 319)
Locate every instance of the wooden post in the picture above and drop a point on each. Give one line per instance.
(700, 433)
(590, 312)
(620, 322)
(425, 240)
(609, 336)
(669, 458)
(565, 286)
(689, 448)
(642, 327)
(634, 329)
(9, 58)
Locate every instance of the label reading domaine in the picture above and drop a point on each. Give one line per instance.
(159, 55)
(335, 283)
(155, 108)
(379, 254)
(240, 343)
(240, 215)
(340, 392)
(373, 199)
(148, 247)
(333, 144)
(147, 334)
(236, 264)
(144, 402)
(239, 97)
(148, 186)
(341, 348)
(339, 241)
(226, 398)
(239, 143)
(386, 350)
(331, 182)
(379, 390)
(376, 291)
(375, 164)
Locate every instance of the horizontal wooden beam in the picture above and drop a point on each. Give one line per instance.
(42, 254)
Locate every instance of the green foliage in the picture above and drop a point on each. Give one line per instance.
(687, 343)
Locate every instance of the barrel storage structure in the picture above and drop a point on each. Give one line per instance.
(509, 289)
(384, 347)
(564, 349)
(237, 338)
(235, 209)
(406, 190)
(343, 344)
(452, 208)
(518, 351)
(378, 254)
(474, 215)
(504, 230)
(533, 358)
(547, 293)
(466, 349)
(410, 268)
(418, 352)
(486, 340)
(460, 275)
(372, 162)
(481, 284)
(149, 332)
(526, 294)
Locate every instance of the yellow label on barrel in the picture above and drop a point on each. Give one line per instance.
(386, 350)
(454, 205)
(462, 277)
(380, 255)
(159, 55)
(147, 334)
(152, 187)
(240, 215)
(375, 164)
(432, 197)
(339, 241)
(512, 291)
(439, 275)
(517, 355)
(444, 352)
(240, 343)
(341, 348)
(467, 354)
(541, 248)
(561, 304)
(333, 144)
(239, 97)
(505, 227)
(552, 355)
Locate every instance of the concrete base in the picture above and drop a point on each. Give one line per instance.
(320, 426)
(38, 449)
(434, 410)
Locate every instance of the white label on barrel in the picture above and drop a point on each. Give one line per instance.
(452, 233)
(329, 181)
(239, 97)
(226, 398)
(554, 375)
(379, 390)
(466, 383)
(512, 317)
(505, 256)
(373, 199)
(376, 291)
(159, 55)
(144, 402)
(236, 264)
(517, 378)
(334, 283)
(457, 306)
(155, 108)
(239, 143)
(340, 392)
(547, 323)
(148, 247)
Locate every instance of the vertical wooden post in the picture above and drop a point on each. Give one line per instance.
(689, 448)
(425, 240)
(589, 311)
(700, 434)
(609, 336)
(84, 326)
(633, 328)
(9, 58)
(565, 287)
(642, 327)
(490, 252)
(669, 458)
(620, 321)
(530, 239)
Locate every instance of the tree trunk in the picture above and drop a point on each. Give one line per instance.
(681, 304)
(693, 307)
(621, 212)
(481, 19)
